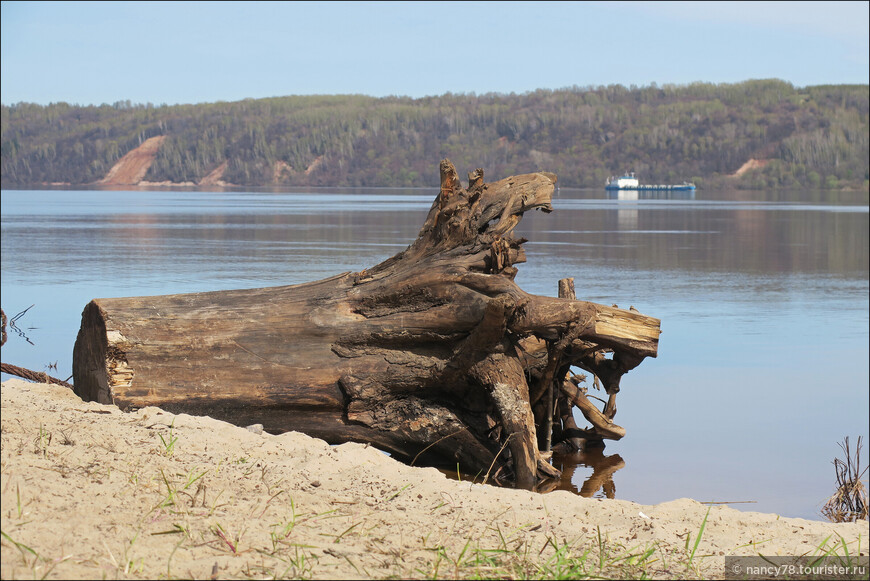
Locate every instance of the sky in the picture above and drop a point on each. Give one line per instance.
(90, 53)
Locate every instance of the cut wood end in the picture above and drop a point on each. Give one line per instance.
(626, 325)
(91, 356)
(627, 332)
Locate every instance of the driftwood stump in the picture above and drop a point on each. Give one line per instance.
(435, 353)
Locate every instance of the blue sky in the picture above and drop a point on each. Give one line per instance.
(193, 52)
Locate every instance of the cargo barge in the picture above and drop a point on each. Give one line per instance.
(629, 182)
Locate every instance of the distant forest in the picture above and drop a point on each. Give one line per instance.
(812, 137)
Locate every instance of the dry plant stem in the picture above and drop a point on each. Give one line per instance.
(417, 352)
(849, 503)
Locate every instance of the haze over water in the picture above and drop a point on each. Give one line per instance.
(763, 297)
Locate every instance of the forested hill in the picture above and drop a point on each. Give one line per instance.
(799, 137)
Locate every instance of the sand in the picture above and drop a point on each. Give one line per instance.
(91, 492)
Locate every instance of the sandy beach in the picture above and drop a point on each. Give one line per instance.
(89, 492)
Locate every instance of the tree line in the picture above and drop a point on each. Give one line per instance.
(811, 137)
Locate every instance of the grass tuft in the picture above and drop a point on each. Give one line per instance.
(168, 442)
(849, 502)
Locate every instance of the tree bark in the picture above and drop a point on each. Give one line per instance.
(429, 354)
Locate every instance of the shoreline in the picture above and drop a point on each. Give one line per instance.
(90, 491)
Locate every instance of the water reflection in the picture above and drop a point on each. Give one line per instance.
(737, 278)
(627, 214)
(599, 484)
(735, 239)
(651, 194)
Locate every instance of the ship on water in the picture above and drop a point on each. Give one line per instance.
(629, 182)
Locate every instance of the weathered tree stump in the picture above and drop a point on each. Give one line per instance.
(431, 354)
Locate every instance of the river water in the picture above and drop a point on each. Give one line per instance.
(763, 297)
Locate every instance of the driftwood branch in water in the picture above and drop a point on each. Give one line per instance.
(434, 350)
(21, 371)
(32, 375)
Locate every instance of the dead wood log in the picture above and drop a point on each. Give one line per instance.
(432, 350)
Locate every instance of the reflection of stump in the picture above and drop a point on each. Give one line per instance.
(435, 349)
(603, 468)
(602, 477)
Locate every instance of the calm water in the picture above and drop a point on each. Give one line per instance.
(763, 297)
